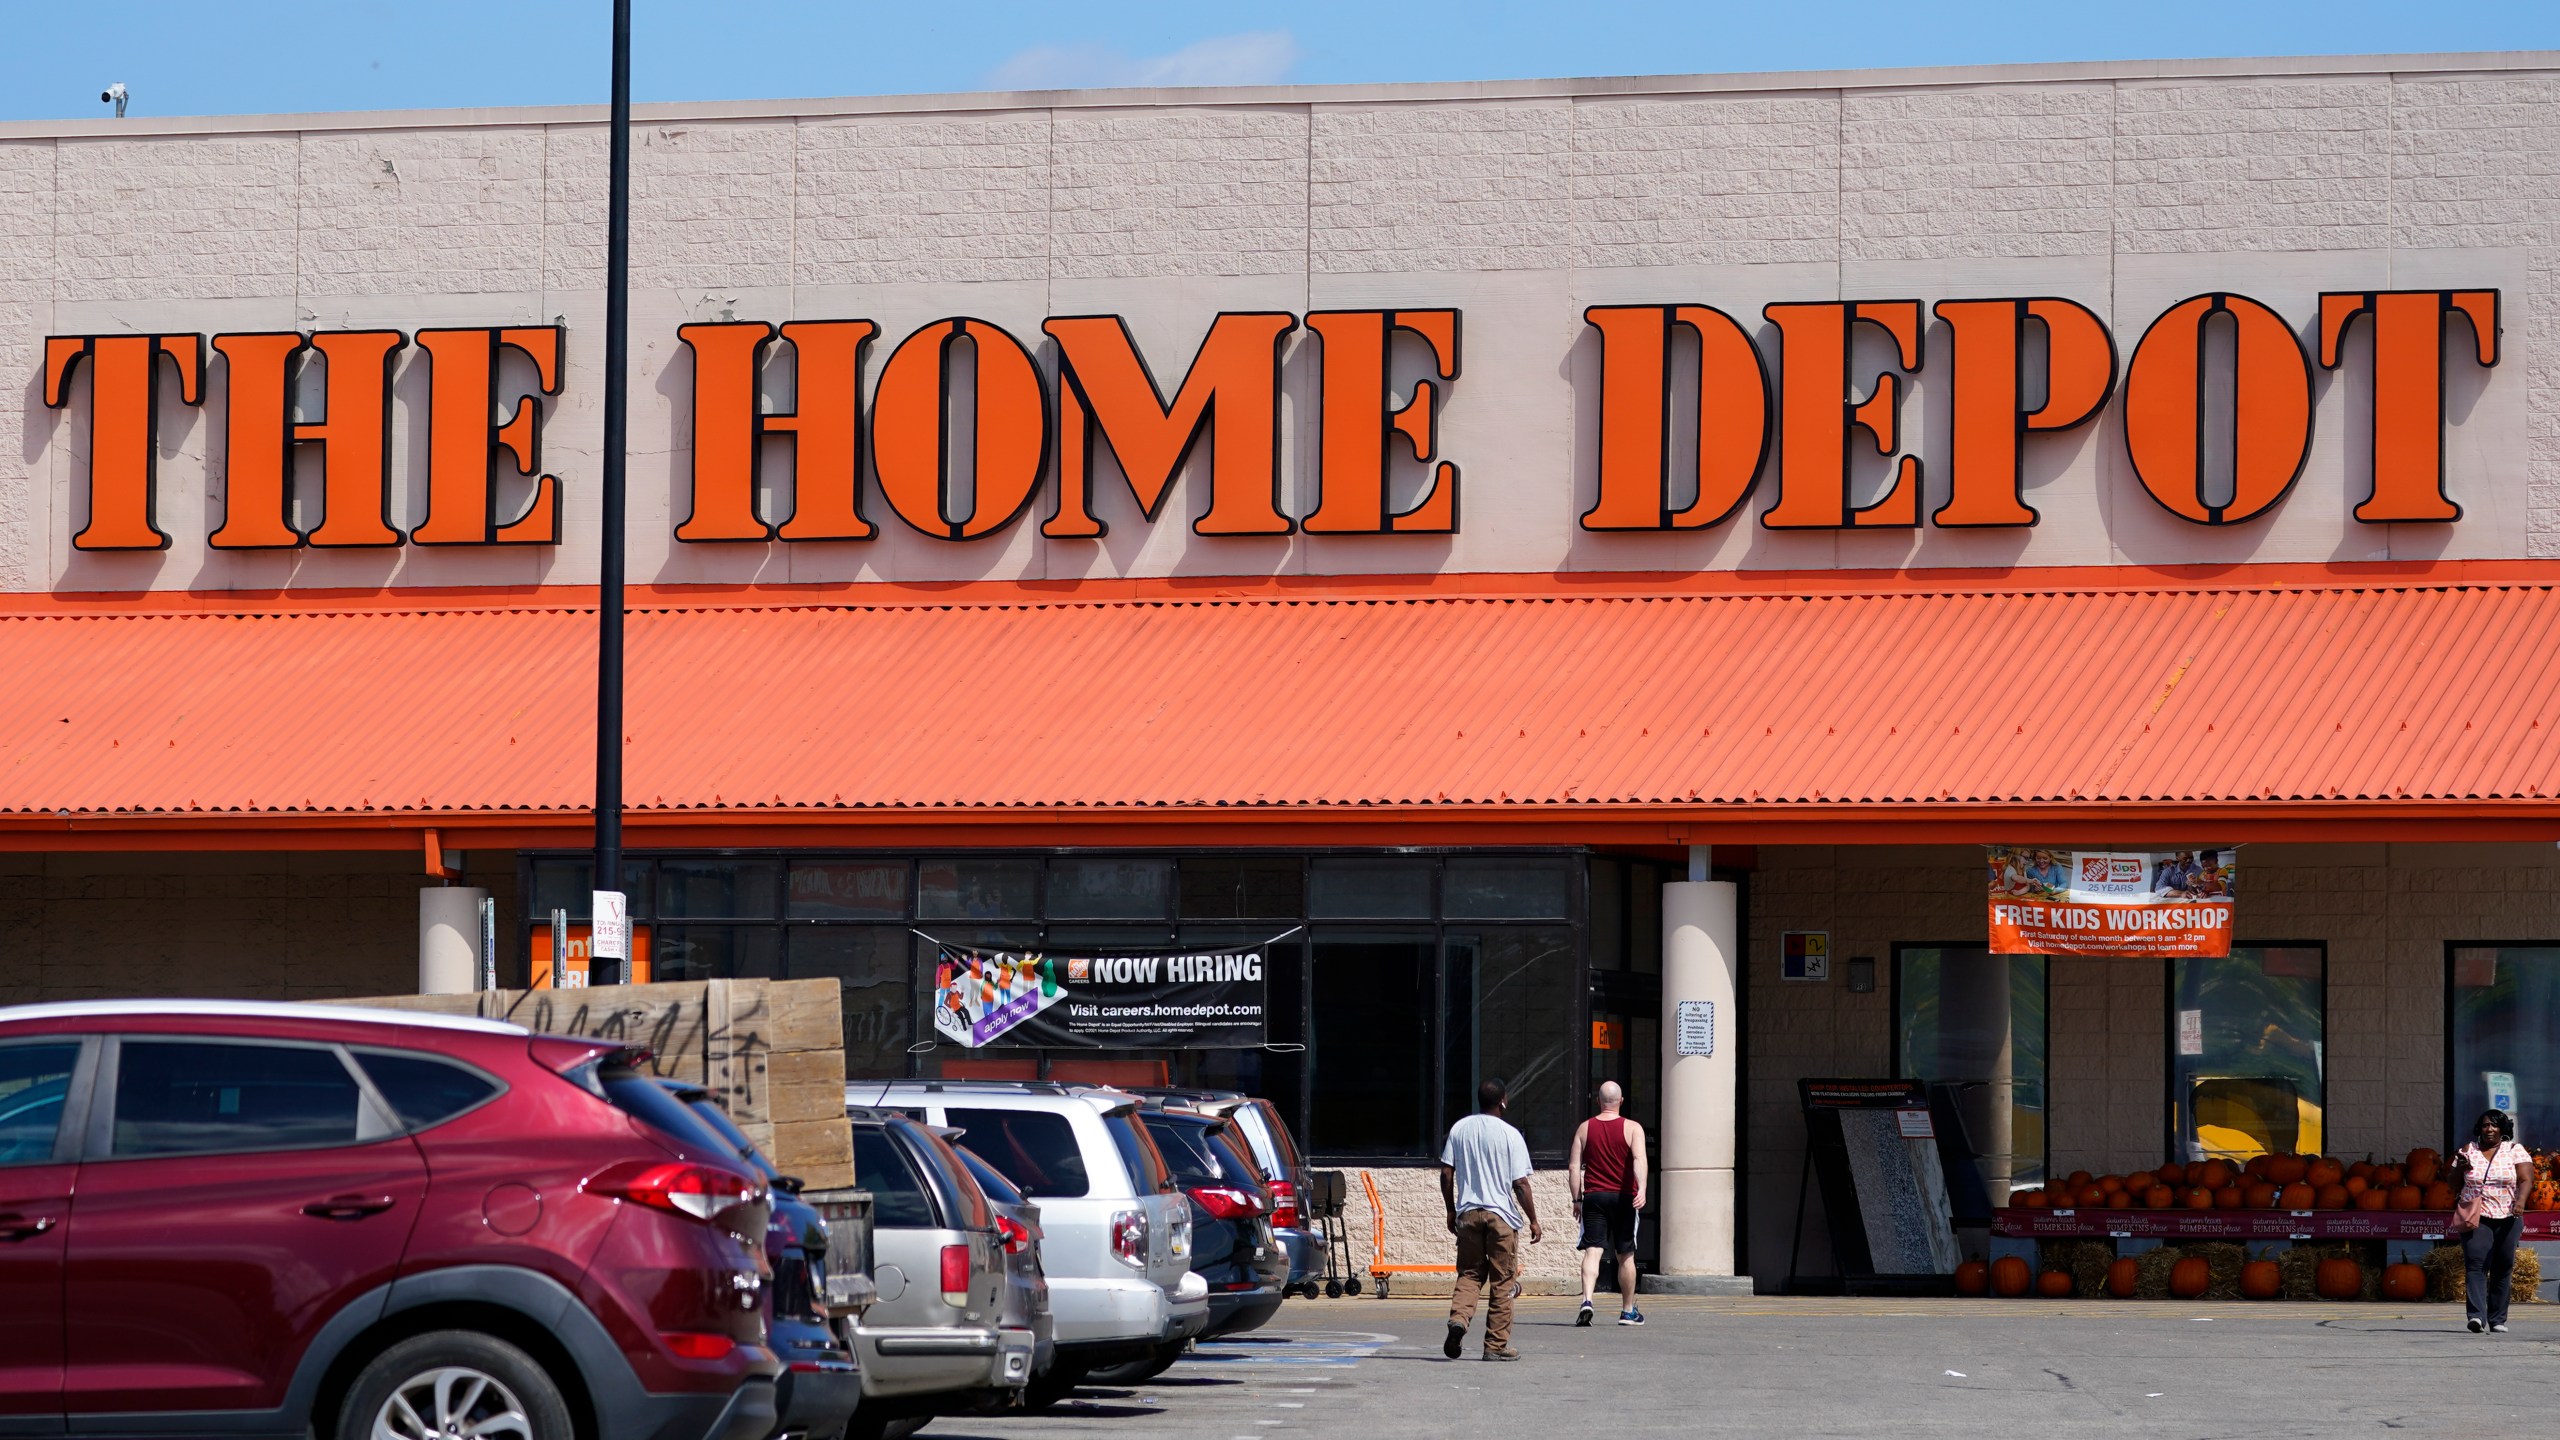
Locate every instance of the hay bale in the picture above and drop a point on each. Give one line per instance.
(2086, 1260)
(2224, 1260)
(2444, 1273)
(2152, 1267)
(2299, 1268)
(2528, 1281)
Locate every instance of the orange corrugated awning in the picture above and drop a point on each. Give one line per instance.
(1616, 718)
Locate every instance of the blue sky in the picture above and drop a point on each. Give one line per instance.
(184, 57)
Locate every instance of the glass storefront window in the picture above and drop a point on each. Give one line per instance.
(1231, 887)
(1975, 1022)
(719, 889)
(562, 885)
(1506, 990)
(876, 966)
(715, 952)
(1349, 889)
(1369, 1049)
(1506, 890)
(848, 889)
(2505, 1031)
(1103, 888)
(2245, 1062)
(966, 887)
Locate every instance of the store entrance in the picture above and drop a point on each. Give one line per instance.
(1626, 1046)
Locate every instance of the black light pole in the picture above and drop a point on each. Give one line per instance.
(617, 351)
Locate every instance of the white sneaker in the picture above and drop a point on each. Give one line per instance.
(2498, 1329)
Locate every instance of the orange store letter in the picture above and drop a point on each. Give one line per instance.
(826, 423)
(2408, 389)
(124, 427)
(1232, 390)
(1636, 409)
(1353, 463)
(1815, 414)
(464, 438)
(2271, 409)
(354, 439)
(1986, 477)
(911, 449)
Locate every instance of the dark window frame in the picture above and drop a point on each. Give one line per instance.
(1894, 1050)
(2170, 1142)
(2455, 1122)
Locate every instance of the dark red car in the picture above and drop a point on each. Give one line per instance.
(279, 1220)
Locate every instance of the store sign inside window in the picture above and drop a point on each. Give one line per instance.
(1038, 420)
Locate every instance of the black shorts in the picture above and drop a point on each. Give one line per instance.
(1609, 1221)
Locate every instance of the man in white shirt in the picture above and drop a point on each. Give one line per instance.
(1484, 1180)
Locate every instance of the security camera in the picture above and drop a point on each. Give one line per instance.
(115, 95)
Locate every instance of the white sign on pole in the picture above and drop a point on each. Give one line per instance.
(2190, 1032)
(2502, 1092)
(1916, 1124)
(610, 937)
(1695, 1031)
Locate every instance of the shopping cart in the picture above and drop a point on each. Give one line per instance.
(1379, 1270)
(1324, 1202)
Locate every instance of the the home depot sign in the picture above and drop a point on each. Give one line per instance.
(1790, 415)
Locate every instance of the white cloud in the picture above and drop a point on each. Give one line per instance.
(1258, 57)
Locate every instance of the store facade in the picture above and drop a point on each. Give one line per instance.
(1543, 558)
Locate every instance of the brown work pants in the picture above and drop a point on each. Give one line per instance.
(1488, 1256)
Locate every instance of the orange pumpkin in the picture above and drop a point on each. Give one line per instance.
(2545, 1196)
(2141, 1180)
(2361, 1170)
(2324, 1173)
(2357, 1185)
(2439, 1196)
(1973, 1278)
(2079, 1179)
(2257, 1165)
(2261, 1280)
(2173, 1173)
(2109, 1182)
(2217, 1173)
(2028, 1199)
(2118, 1200)
(2296, 1196)
(2190, 1277)
(2199, 1198)
(2388, 1176)
(2010, 1275)
(2408, 1197)
(2374, 1200)
(2404, 1282)
(2287, 1169)
(2055, 1285)
(2227, 1198)
(2123, 1278)
(2159, 1197)
(2338, 1278)
(2261, 1195)
(2090, 1197)
(2329, 1197)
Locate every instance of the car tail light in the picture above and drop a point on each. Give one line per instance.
(1284, 1204)
(1017, 1237)
(673, 1186)
(1226, 1203)
(695, 1345)
(1178, 1244)
(955, 1275)
(1129, 1238)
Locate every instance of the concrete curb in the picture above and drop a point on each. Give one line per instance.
(1693, 1284)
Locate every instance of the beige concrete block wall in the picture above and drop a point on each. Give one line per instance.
(221, 925)
(1417, 1231)
(2384, 912)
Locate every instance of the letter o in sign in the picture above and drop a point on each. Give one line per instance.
(2271, 409)
(911, 448)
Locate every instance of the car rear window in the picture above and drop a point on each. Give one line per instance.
(1035, 1149)
(898, 1198)
(33, 1081)
(1185, 1147)
(204, 1097)
(644, 1099)
(999, 1189)
(961, 1196)
(1147, 1171)
(1271, 1133)
(708, 1111)
(1236, 1167)
(424, 1090)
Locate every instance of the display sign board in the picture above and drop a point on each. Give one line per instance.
(1883, 1182)
(582, 967)
(1695, 1032)
(1195, 1000)
(2131, 903)
(2191, 1032)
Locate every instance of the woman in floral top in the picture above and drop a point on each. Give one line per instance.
(2499, 1174)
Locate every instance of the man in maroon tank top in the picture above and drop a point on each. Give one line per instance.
(1606, 1174)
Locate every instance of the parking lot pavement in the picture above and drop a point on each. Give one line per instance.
(1843, 1367)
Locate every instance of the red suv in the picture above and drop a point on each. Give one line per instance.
(285, 1220)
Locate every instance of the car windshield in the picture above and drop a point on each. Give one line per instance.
(1233, 1164)
(998, 1188)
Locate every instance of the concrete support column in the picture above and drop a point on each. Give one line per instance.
(449, 939)
(1701, 959)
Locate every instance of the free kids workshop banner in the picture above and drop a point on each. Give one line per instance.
(2138, 903)
(1199, 1000)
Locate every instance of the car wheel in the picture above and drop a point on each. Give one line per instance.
(1139, 1371)
(1052, 1386)
(453, 1382)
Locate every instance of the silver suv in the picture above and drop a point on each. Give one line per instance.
(1116, 1240)
(935, 1341)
